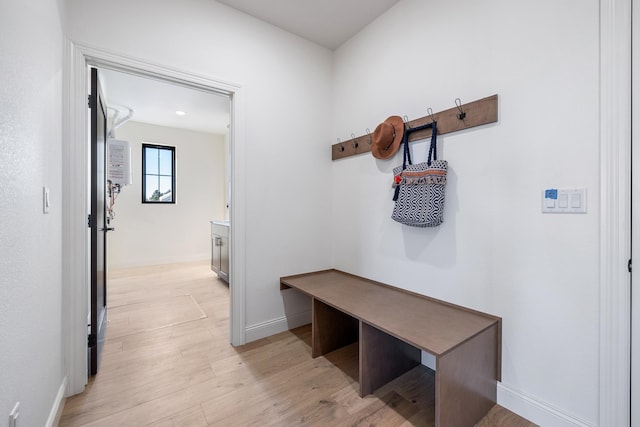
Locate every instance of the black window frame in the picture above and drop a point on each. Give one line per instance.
(145, 174)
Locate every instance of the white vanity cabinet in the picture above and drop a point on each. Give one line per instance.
(220, 249)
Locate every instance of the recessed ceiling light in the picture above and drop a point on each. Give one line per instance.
(180, 113)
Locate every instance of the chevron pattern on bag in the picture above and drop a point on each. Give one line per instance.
(420, 200)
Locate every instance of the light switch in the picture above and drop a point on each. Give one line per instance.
(576, 200)
(563, 200)
(549, 199)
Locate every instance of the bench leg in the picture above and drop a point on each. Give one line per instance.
(466, 380)
(331, 329)
(383, 358)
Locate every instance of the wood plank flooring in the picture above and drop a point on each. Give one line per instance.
(167, 362)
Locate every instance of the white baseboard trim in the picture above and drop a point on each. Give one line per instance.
(58, 405)
(160, 261)
(536, 411)
(275, 326)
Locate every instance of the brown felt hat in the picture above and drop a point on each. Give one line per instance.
(387, 138)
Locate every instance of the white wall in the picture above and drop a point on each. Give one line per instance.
(150, 234)
(287, 85)
(495, 251)
(30, 241)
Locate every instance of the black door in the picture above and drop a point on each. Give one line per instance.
(98, 224)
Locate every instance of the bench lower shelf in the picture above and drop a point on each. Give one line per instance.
(407, 400)
(464, 382)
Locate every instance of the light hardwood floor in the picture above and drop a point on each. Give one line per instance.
(167, 362)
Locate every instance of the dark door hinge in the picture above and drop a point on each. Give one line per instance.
(89, 99)
(92, 340)
(89, 221)
(629, 265)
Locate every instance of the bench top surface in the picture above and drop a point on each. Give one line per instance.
(427, 323)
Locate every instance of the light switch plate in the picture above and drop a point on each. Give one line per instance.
(45, 199)
(566, 200)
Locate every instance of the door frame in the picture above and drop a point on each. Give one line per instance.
(75, 178)
(635, 216)
(615, 213)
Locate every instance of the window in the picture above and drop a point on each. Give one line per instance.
(158, 174)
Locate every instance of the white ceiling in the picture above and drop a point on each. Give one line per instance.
(328, 23)
(156, 102)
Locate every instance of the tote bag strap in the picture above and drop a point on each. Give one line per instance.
(433, 149)
(406, 154)
(406, 158)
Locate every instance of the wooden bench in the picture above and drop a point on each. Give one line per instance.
(392, 326)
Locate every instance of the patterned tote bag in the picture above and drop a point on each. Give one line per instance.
(419, 188)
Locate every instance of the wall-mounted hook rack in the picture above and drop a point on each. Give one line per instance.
(476, 113)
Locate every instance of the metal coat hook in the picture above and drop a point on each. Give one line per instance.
(430, 112)
(355, 143)
(406, 121)
(462, 114)
(369, 135)
(341, 146)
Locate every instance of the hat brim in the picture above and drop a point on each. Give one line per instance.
(384, 153)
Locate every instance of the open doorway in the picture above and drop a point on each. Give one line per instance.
(76, 175)
(167, 167)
